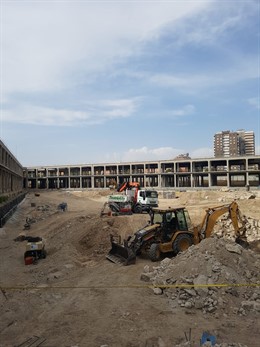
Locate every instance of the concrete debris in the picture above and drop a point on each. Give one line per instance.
(224, 228)
(233, 248)
(215, 275)
(43, 208)
(157, 291)
(224, 189)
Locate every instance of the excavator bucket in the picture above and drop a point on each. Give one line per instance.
(121, 254)
(242, 241)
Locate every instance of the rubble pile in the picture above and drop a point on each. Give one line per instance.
(224, 228)
(215, 276)
(42, 212)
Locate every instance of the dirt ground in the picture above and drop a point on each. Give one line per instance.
(76, 297)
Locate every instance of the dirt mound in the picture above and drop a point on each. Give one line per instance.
(96, 239)
(216, 275)
(83, 239)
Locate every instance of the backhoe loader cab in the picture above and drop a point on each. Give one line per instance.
(171, 218)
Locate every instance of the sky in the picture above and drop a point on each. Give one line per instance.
(116, 81)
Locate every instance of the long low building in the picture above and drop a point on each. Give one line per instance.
(177, 173)
(11, 172)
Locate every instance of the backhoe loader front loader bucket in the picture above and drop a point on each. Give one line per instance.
(121, 254)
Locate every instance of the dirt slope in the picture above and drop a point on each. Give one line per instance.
(75, 297)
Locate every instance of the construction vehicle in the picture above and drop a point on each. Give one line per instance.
(35, 249)
(170, 231)
(63, 206)
(134, 199)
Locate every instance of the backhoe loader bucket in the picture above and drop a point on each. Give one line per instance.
(242, 241)
(121, 254)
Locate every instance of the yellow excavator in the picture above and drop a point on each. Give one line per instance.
(170, 231)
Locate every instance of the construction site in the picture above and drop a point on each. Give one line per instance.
(129, 173)
(75, 296)
(128, 266)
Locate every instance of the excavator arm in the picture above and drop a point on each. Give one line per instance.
(212, 215)
(128, 185)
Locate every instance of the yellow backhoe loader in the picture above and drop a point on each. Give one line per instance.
(170, 231)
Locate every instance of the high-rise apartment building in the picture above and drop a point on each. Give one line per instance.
(248, 141)
(230, 144)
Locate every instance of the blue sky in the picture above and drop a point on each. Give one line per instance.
(114, 81)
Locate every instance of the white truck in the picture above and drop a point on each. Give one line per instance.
(133, 199)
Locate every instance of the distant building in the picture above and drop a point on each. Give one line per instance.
(11, 173)
(231, 144)
(248, 141)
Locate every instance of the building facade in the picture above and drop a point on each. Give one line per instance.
(248, 142)
(178, 173)
(231, 144)
(11, 172)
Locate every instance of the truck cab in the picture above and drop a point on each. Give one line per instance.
(143, 199)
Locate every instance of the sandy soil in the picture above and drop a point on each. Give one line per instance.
(76, 297)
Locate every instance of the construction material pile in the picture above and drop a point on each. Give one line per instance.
(216, 276)
(225, 228)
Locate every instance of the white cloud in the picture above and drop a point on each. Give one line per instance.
(215, 23)
(185, 111)
(208, 28)
(202, 153)
(161, 153)
(49, 46)
(96, 113)
(144, 153)
(194, 83)
(119, 108)
(255, 102)
(182, 82)
(168, 80)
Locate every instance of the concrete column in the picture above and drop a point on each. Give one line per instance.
(228, 180)
(209, 174)
(80, 177)
(174, 175)
(69, 177)
(92, 176)
(36, 183)
(26, 179)
(80, 182)
(160, 180)
(58, 182)
(191, 180)
(175, 180)
(228, 174)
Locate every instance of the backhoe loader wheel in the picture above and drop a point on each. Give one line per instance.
(181, 243)
(154, 252)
